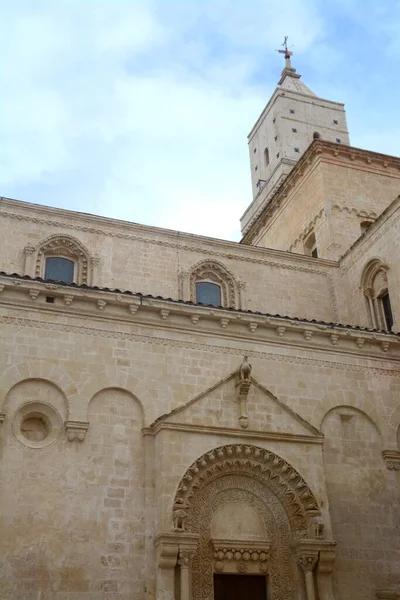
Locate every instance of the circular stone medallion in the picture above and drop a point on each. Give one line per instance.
(36, 424)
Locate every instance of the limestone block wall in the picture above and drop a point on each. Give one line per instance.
(154, 261)
(79, 517)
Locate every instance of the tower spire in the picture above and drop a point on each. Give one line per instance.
(288, 69)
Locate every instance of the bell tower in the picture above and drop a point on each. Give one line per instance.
(291, 120)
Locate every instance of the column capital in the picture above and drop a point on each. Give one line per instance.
(310, 551)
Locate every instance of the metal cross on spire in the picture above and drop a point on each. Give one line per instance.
(286, 52)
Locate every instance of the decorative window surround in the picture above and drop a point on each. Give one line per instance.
(64, 246)
(215, 272)
(76, 430)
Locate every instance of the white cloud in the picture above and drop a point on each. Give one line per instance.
(140, 109)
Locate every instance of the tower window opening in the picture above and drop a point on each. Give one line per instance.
(276, 137)
(297, 149)
(294, 130)
(292, 111)
(255, 150)
(335, 122)
(338, 140)
(256, 168)
(274, 120)
(266, 157)
(316, 135)
(310, 246)
(387, 311)
(277, 156)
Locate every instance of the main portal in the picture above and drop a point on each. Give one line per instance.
(240, 587)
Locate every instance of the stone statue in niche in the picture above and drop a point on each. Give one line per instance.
(317, 528)
(245, 370)
(179, 517)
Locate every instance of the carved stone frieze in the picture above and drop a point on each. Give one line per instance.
(76, 430)
(232, 555)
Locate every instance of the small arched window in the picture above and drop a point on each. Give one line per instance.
(316, 135)
(266, 157)
(58, 268)
(310, 246)
(375, 288)
(208, 293)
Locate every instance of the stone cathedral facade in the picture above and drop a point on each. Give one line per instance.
(190, 418)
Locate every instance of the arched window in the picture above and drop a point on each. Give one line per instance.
(266, 157)
(375, 288)
(208, 293)
(60, 257)
(59, 269)
(310, 246)
(210, 282)
(316, 135)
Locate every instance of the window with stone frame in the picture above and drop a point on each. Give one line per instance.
(376, 291)
(60, 257)
(208, 293)
(210, 282)
(59, 268)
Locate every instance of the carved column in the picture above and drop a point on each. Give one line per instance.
(307, 563)
(321, 553)
(184, 563)
(172, 549)
(325, 570)
(29, 267)
(167, 555)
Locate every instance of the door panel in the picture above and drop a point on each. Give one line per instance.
(240, 587)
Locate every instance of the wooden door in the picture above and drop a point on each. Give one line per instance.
(240, 587)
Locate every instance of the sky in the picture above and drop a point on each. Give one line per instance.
(140, 109)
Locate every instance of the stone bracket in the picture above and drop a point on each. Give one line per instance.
(76, 430)
(392, 459)
(2, 417)
(171, 547)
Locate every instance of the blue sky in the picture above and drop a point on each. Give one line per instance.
(140, 110)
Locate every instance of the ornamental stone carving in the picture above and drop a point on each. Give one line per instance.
(76, 430)
(65, 246)
(232, 555)
(259, 464)
(216, 272)
(392, 459)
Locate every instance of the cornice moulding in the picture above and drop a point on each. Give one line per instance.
(228, 432)
(185, 317)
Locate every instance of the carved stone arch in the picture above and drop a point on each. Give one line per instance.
(63, 245)
(216, 272)
(258, 464)
(259, 478)
(372, 269)
(37, 370)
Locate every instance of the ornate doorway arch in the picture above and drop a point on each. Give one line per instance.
(259, 479)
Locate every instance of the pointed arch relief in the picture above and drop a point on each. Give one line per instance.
(254, 463)
(61, 246)
(216, 273)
